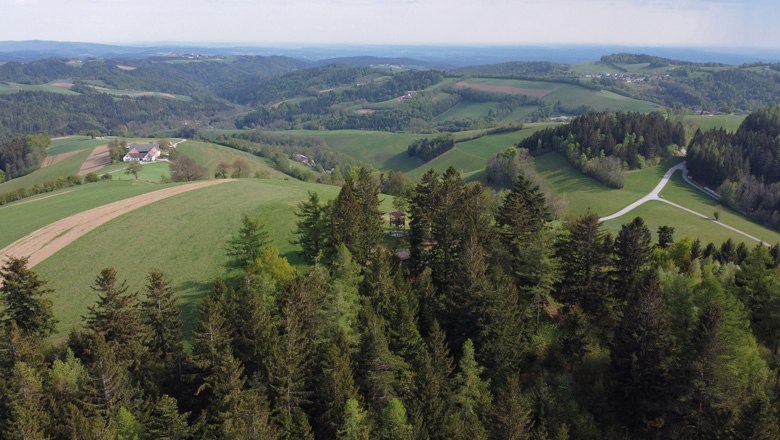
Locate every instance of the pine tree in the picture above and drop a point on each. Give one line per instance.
(116, 316)
(393, 423)
(421, 207)
(244, 247)
(434, 386)
(759, 290)
(23, 298)
(251, 418)
(160, 314)
(336, 387)
(633, 253)
(640, 358)
(472, 399)
(356, 424)
(29, 417)
(313, 225)
(109, 382)
(165, 421)
(513, 418)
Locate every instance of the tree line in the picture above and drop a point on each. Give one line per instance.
(744, 167)
(21, 155)
(498, 325)
(602, 144)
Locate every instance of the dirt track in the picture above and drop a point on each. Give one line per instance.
(45, 242)
(96, 160)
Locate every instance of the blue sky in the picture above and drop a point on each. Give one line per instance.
(687, 23)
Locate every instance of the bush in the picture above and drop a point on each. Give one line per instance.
(106, 177)
(91, 177)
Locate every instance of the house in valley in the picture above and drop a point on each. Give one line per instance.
(142, 153)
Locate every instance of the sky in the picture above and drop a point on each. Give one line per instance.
(676, 23)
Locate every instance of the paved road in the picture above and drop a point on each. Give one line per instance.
(654, 195)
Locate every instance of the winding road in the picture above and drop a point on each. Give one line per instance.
(655, 195)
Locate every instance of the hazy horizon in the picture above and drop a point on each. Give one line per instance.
(700, 24)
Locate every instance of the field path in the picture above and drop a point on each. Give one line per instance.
(654, 195)
(46, 241)
(96, 160)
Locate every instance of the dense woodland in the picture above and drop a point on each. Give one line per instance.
(21, 155)
(499, 325)
(428, 149)
(602, 144)
(744, 167)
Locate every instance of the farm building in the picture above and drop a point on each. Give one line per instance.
(142, 153)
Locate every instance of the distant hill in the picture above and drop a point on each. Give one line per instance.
(368, 61)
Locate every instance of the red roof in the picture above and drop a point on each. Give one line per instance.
(397, 214)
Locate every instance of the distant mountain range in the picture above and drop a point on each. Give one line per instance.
(423, 56)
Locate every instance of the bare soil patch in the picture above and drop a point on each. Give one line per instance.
(365, 111)
(51, 160)
(64, 85)
(509, 90)
(121, 67)
(96, 160)
(46, 241)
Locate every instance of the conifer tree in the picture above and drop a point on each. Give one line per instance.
(336, 387)
(109, 385)
(421, 209)
(641, 356)
(165, 421)
(379, 367)
(513, 418)
(250, 420)
(160, 314)
(313, 225)
(115, 316)
(632, 256)
(356, 424)
(355, 219)
(29, 418)
(434, 386)
(759, 290)
(472, 399)
(244, 247)
(24, 301)
(393, 423)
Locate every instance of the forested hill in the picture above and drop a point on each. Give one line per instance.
(179, 75)
(744, 166)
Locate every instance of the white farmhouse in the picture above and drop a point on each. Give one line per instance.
(142, 153)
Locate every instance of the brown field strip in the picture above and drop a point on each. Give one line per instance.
(51, 160)
(96, 160)
(46, 241)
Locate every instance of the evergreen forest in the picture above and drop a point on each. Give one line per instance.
(498, 323)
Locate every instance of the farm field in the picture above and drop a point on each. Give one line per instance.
(729, 123)
(150, 172)
(22, 217)
(75, 143)
(575, 96)
(66, 167)
(466, 110)
(176, 236)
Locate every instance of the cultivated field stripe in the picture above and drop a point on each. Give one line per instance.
(46, 241)
(99, 158)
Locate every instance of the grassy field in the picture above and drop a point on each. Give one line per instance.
(656, 214)
(9, 87)
(583, 193)
(66, 167)
(729, 123)
(518, 83)
(593, 67)
(22, 217)
(574, 96)
(683, 194)
(209, 155)
(184, 236)
(74, 143)
(150, 172)
(466, 110)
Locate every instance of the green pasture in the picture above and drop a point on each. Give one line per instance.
(685, 224)
(150, 171)
(66, 167)
(210, 155)
(729, 123)
(678, 191)
(574, 96)
(25, 216)
(468, 110)
(75, 143)
(184, 236)
(519, 83)
(10, 87)
(583, 193)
